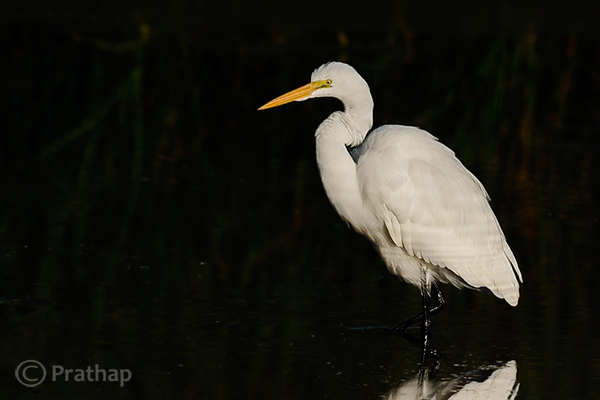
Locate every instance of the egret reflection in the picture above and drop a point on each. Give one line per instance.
(493, 382)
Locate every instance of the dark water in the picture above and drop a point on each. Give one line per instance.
(152, 221)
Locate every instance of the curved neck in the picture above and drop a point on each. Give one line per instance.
(351, 125)
(338, 169)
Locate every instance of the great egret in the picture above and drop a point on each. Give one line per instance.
(405, 191)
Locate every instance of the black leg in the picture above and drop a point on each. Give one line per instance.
(441, 303)
(425, 326)
(425, 340)
(427, 374)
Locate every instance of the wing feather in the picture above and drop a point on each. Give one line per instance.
(435, 209)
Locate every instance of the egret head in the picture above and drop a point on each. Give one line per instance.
(334, 79)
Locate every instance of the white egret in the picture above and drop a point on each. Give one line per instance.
(427, 214)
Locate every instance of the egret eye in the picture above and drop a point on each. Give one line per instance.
(328, 82)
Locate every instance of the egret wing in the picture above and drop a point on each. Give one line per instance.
(435, 209)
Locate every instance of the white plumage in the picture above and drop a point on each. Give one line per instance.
(435, 211)
(408, 193)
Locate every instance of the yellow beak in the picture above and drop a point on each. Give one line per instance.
(296, 94)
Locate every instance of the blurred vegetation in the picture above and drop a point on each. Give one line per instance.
(145, 198)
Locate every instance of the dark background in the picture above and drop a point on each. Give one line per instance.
(152, 219)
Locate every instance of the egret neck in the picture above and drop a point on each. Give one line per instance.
(341, 130)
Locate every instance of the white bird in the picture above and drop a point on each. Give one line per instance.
(407, 193)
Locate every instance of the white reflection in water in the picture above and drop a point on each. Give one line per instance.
(493, 382)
